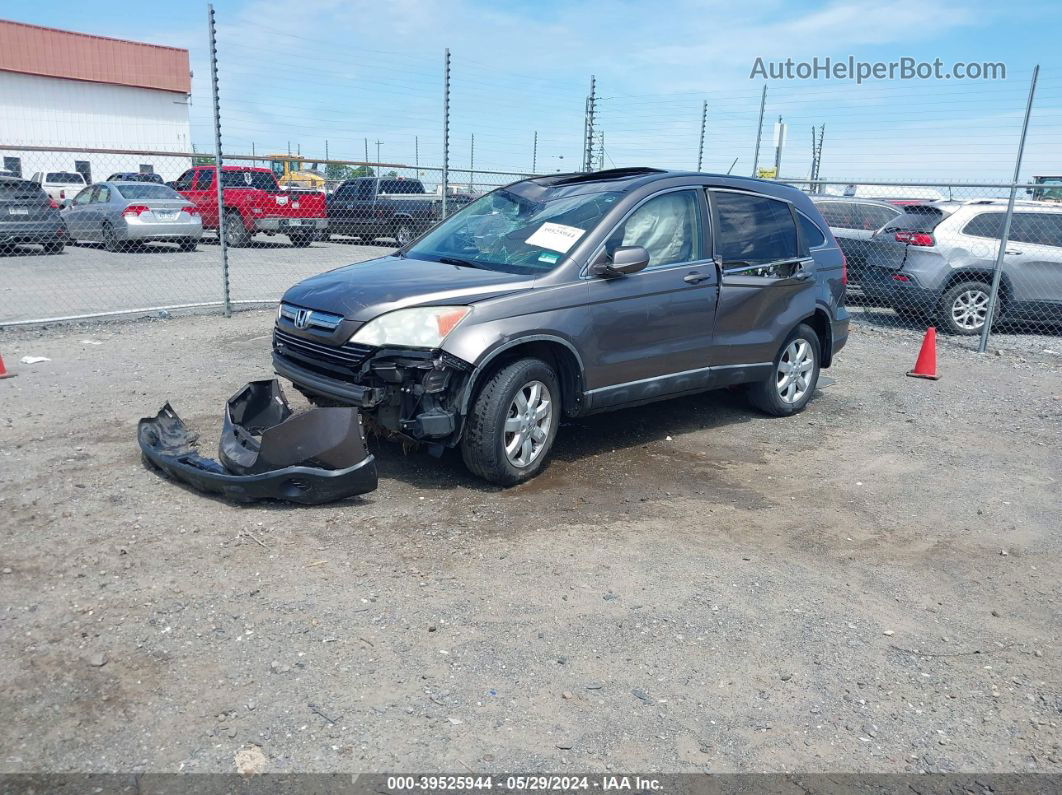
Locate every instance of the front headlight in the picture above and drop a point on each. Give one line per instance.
(419, 327)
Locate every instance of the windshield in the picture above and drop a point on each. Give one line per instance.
(506, 232)
(147, 190)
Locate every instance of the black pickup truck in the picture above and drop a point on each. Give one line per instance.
(372, 207)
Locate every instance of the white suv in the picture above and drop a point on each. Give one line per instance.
(937, 261)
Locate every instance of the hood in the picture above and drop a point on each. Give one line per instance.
(368, 289)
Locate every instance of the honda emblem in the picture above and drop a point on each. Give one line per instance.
(302, 318)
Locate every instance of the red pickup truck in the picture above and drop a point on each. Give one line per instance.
(254, 202)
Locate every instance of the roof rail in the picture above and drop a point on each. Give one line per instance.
(602, 176)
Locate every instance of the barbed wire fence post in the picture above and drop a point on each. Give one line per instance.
(446, 131)
(588, 139)
(759, 132)
(704, 125)
(222, 247)
(997, 273)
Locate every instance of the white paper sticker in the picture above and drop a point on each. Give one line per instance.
(557, 237)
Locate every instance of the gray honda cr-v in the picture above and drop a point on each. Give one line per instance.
(571, 294)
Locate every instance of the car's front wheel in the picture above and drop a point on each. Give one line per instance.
(794, 375)
(513, 422)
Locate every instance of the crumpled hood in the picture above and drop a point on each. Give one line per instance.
(366, 290)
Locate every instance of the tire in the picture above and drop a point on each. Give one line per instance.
(236, 235)
(189, 244)
(483, 446)
(300, 239)
(110, 240)
(54, 248)
(964, 307)
(779, 396)
(403, 232)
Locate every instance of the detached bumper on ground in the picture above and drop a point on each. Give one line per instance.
(265, 451)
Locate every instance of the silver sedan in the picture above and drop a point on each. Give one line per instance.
(119, 214)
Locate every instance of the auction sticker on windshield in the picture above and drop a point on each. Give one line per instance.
(557, 237)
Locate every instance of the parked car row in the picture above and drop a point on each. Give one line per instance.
(934, 260)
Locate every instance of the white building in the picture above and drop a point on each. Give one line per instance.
(76, 102)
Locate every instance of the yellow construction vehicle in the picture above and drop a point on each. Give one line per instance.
(291, 172)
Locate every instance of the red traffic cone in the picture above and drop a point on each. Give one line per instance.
(926, 365)
(3, 370)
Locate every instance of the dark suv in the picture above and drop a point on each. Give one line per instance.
(572, 294)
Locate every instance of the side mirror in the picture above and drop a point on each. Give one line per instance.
(625, 260)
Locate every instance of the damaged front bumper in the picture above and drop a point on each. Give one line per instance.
(409, 392)
(266, 452)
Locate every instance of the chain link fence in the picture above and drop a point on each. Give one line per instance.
(92, 228)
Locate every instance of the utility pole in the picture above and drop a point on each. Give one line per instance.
(326, 150)
(217, 160)
(534, 153)
(446, 130)
(588, 140)
(416, 153)
(472, 163)
(779, 142)
(366, 153)
(601, 152)
(378, 144)
(254, 162)
(704, 125)
(759, 132)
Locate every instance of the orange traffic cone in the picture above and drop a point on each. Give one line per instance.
(926, 365)
(3, 370)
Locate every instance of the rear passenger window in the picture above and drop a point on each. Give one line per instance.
(875, 216)
(753, 230)
(1042, 229)
(184, 182)
(839, 215)
(813, 236)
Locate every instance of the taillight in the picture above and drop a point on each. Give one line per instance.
(844, 269)
(899, 277)
(915, 238)
(62, 194)
(53, 203)
(135, 210)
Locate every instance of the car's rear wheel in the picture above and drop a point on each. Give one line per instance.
(964, 307)
(513, 422)
(794, 375)
(236, 234)
(109, 238)
(300, 239)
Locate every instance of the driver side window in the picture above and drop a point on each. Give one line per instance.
(667, 226)
(84, 196)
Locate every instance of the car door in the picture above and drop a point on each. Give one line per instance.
(75, 215)
(96, 212)
(652, 330)
(340, 207)
(768, 277)
(363, 207)
(1033, 263)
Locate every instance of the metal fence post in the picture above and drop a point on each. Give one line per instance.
(588, 140)
(704, 124)
(759, 132)
(534, 153)
(446, 131)
(217, 162)
(997, 274)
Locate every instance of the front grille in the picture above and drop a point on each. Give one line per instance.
(349, 356)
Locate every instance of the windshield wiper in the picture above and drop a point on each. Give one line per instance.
(462, 263)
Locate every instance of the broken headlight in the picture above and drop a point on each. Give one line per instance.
(418, 327)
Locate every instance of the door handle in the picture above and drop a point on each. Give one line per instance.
(695, 277)
(1011, 251)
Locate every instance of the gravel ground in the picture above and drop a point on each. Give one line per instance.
(870, 586)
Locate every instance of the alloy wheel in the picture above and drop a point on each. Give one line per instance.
(970, 309)
(794, 370)
(527, 423)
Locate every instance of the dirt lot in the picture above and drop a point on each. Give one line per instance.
(870, 586)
